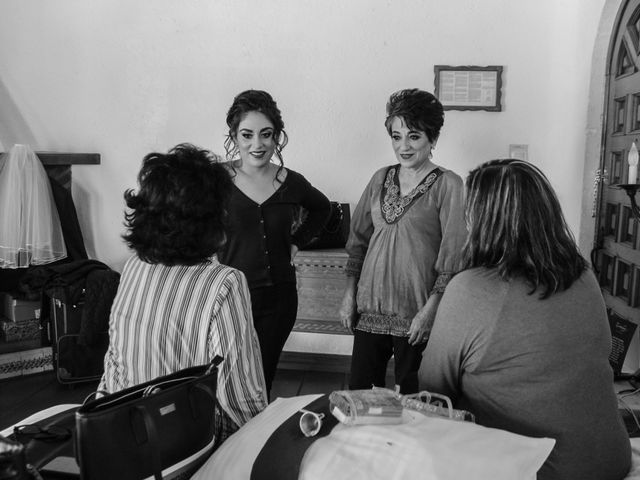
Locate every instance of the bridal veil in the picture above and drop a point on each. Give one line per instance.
(30, 231)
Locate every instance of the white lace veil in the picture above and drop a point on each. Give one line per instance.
(30, 231)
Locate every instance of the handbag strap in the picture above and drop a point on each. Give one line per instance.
(94, 395)
(217, 360)
(152, 439)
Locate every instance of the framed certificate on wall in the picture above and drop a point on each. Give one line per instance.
(469, 87)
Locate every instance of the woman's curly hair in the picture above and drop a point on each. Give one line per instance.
(419, 109)
(178, 216)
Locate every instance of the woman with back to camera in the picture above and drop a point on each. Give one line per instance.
(406, 235)
(521, 338)
(176, 305)
(264, 200)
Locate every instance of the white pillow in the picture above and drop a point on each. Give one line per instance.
(234, 459)
(427, 448)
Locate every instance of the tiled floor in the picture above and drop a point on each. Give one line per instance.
(23, 396)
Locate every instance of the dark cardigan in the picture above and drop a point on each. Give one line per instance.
(260, 237)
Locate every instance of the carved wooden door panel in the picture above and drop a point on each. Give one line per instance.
(616, 257)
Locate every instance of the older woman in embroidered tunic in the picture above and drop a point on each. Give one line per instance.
(406, 236)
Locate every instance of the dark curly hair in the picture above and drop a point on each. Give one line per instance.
(254, 101)
(178, 216)
(420, 111)
(516, 226)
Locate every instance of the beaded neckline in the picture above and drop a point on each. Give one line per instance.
(392, 203)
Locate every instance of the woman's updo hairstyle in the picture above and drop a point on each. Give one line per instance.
(420, 110)
(254, 101)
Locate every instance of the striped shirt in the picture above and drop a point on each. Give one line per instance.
(166, 318)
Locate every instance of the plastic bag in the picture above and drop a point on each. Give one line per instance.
(435, 405)
(384, 406)
(366, 407)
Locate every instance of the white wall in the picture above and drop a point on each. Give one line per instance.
(122, 78)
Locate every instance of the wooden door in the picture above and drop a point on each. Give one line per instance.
(616, 257)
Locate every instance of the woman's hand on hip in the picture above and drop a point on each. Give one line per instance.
(294, 252)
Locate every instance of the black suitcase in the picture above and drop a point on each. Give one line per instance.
(74, 360)
(76, 303)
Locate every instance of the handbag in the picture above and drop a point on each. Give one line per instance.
(336, 231)
(164, 428)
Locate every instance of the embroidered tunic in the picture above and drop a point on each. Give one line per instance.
(403, 248)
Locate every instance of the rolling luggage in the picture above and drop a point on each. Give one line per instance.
(74, 359)
(79, 295)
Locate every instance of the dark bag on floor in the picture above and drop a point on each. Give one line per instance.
(73, 359)
(336, 232)
(77, 298)
(164, 428)
(47, 447)
(13, 463)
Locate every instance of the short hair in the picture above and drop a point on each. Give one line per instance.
(420, 111)
(254, 101)
(516, 226)
(178, 216)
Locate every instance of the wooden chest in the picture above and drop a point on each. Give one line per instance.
(321, 282)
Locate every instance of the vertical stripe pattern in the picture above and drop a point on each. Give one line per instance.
(164, 319)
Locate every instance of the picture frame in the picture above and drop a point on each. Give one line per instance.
(469, 87)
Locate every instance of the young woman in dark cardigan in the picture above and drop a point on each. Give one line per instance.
(262, 210)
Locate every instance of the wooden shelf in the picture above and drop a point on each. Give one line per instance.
(55, 158)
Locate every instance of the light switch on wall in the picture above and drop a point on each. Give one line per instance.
(519, 151)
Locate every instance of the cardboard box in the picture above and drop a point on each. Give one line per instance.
(19, 310)
(16, 331)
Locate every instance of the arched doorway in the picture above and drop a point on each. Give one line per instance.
(616, 253)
